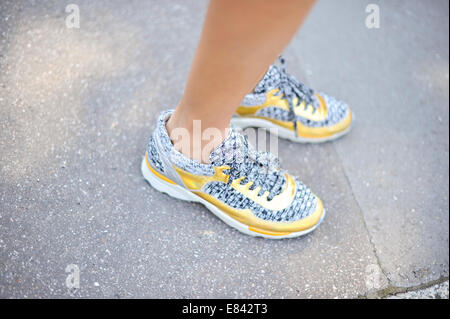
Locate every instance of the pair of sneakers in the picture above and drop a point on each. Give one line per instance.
(246, 188)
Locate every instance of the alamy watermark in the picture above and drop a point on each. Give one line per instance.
(73, 17)
(373, 17)
(73, 277)
(199, 142)
(373, 277)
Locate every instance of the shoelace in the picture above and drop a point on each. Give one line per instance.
(264, 162)
(291, 88)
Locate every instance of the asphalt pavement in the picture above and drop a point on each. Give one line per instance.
(77, 106)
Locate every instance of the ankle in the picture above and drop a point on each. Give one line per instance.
(195, 139)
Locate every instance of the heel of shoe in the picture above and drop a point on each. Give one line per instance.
(168, 187)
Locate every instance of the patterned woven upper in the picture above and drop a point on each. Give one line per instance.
(289, 87)
(243, 163)
(264, 170)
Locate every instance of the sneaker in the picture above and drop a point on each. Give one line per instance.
(293, 111)
(245, 188)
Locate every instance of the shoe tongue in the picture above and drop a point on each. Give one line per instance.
(271, 80)
(231, 149)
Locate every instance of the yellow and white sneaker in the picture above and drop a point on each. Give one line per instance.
(291, 110)
(245, 188)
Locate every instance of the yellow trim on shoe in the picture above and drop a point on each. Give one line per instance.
(156, 173)
(279, 202)
(266, 232)
(244, 216)
(312, 132)
(326, 131)
(274, 100)
(195, 182)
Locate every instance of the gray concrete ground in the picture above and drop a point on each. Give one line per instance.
(439, 291)
(77, 107)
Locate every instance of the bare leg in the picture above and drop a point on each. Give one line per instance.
(240, 39)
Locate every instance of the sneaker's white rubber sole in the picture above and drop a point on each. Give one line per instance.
(184, 194)
(245, 122)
